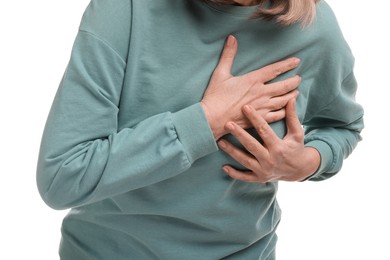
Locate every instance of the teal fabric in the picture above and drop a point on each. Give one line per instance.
(127, 145)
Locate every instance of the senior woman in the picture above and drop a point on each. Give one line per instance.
(131, 141)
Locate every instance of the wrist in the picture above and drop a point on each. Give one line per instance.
(215, 124)
(313, 161)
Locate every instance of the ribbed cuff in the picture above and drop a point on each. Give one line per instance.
(326, 157)
(194, 132)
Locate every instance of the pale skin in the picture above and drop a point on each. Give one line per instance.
(234, 103)
(227, 94)
(245, 2)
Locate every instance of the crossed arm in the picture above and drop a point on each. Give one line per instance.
(286, 159)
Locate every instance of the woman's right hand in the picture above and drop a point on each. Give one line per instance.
(227, 94)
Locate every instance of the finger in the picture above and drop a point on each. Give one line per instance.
(226, 60)
(266, 133)
(251, 144)
(282, 87)
(246, 176)
(275, 103)
(245, 159)
(280, 102)
(294, 126)
(272, 71)
(274, 116)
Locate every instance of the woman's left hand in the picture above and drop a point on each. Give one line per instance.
(277, 159)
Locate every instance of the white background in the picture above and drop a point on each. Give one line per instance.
(346, 217)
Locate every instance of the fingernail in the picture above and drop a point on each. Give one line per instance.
(222, 144)
(225, 169)
(230, 40)
(296, 60)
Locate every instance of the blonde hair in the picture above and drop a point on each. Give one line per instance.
(286, 12)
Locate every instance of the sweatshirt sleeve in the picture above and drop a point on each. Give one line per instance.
(335, 130)
(333, 120)
(83, 157)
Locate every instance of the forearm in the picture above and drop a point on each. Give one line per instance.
(133, 158)
(85, 157)
(334, 130)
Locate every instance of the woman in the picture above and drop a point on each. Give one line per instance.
(131, 140)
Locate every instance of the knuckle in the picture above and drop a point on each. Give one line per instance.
(228, 54)
(246, 177)
(280, 104)
(282, 67)
(285, 85)
(262, 128)
(249, 79)
(278, 151)
(271, 71)
(248, 162)
(277, 71)
(267, 176)
(252, 147)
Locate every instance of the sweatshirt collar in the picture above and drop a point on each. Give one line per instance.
(234, 10)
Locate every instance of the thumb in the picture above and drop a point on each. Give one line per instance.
(226, 60)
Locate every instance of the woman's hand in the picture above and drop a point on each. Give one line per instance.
(284, 159)
(226, 94)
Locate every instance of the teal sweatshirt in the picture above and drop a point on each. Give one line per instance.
(127, 145)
